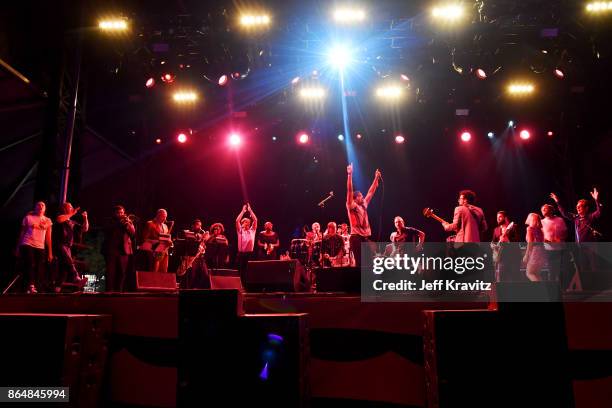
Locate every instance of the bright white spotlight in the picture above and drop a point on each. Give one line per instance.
(255, 20)
(450, 13)
(341, 138)
(525, 134)
(599, 7)
(349, 15)
(466, 137)
(339, 56)
(399, 139)
(185, 97)
(235, 140)
(312, 93)
(150, 82)
(295, 80)
(113, 25)
(303, 138)
(181, 138)
(481, 74)
(521, 89)
(389, 92)
(559, 74)
(510, 123)
(223, 80)
(490, 135)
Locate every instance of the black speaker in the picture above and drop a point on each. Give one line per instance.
(56, 350)
(344, 279)
(270, 276)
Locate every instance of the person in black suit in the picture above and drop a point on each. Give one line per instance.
(117, 249)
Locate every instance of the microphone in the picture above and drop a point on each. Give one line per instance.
(322, 203)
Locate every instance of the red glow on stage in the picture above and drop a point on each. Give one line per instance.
(235, 140)
(466, 137)
(399, 139)
(525, 134)
(222, 80)
(481, 74)
(168, 78)
(303, 138)
(181, 138)
(150, 83)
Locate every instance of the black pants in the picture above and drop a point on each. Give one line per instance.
(66, 271)
(242, 260)
(116, 272)
(355, 242)
(32, 265)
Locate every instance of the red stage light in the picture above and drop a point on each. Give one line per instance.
(222, 80)
(466, 137)
(481, 74)
(168, 78)
(525, 134)
(550, 133)
(399, 139)
(181, 138)
(235, 139)
(150, 82)
(158, 141)
(303, 138)
(559, 74)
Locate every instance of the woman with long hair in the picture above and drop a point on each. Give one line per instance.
(534, 255)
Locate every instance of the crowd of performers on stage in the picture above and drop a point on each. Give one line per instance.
(43, 242)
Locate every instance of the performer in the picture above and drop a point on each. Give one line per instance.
(555, 234)
(357, 208)
(313, 240)
(332, 247)
(34, 237)
(583, 220)
(118, 250)
(217, 247)
(63, 241)
(468, 221)
(156, 240)
(344, 233)
(245, 229)
(506, 251)
(403, 234)
(534, 257)
(267, 242)
(192, 269)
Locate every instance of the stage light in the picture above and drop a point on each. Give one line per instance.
(599, 7)
(150, 83)
(339, 56)
(158, 141)
(358, 136)
(490, 135)
(349, 15)
(185, 97)
(168, 78)
(222, 80)
(312, 93)
(341, 138)
(524, 134)
(274, 138)
(113, 25)
(559, 74)
(448, 13)
(466, 137)
(235, 140)
(303, 138)
(181, 138)
(550, 133)
(405, 77)
(389, 92)
(255, 20)
(510, 123)
(481, 74)
(295, 80)
(399, 139)
(521, 89)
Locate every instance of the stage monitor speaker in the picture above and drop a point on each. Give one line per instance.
(344, 279)
(56, 350)
(270, 276)
(155, 281)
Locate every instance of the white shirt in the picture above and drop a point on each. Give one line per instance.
(246, 240)
(36, 227)
(555, 230)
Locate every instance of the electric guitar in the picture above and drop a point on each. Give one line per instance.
(497, 246)
(429, 213)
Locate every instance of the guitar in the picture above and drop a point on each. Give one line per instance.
(429, 213)
(497, 247)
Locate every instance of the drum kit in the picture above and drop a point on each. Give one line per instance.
(308, 253)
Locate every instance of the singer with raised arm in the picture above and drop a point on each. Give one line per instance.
(357, 208)
(63, 241)
(583, 219)
(245, 229)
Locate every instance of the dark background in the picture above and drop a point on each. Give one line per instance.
(116, 159)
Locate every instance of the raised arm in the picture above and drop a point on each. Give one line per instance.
(253, 216)
(349, 186)
(244, 208)
(65, 217)
(560, 207)
(85, 226)
(373, 187)
(597, 212)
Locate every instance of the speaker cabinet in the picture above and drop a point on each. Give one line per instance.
(344, 279)
(270, 276)
(155, 281)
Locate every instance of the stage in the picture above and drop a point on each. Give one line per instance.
(361, 354)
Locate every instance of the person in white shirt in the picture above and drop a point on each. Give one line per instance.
(34, 237)
(245, 229)
(555, 234)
